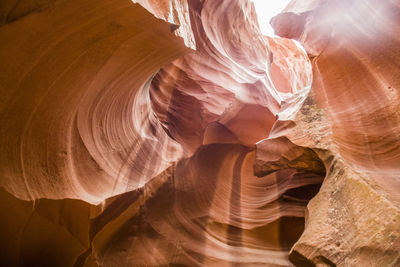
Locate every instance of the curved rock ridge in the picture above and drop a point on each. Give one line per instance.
(351, 119)
(89, 167)
(235, 75)
(174, 133)
(124, 147)
(175, 12)
(344, 45)
(74, 123)
(214, 212)
(209, 210)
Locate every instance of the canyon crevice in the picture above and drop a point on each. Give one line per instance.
(173, 132)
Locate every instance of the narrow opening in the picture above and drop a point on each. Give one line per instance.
(266, 10)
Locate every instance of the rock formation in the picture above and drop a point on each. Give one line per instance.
(352, 114)
(156, 133)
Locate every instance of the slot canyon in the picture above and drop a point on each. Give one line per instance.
(176, 133)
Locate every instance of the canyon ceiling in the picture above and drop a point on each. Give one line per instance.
(174, 133)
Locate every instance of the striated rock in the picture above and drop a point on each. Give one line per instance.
(155, 133)
(227, 80)
(74, 122)
(175, 12)
(352, 114)
(92, 128)
(280, 153)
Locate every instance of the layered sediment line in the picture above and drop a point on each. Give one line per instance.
(75, 107)
(353, 114)
(174, 133)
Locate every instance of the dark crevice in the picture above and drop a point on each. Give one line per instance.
(300, 260)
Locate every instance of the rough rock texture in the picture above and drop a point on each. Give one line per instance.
(352, 118)
(157, 133)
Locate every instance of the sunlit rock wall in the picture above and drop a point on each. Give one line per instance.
(352, 114)
(154, 133)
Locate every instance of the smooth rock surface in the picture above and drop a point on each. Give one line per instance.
(157, 133)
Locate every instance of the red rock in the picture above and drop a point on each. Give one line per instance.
(353, 113)
(174, 133)
(68, 100)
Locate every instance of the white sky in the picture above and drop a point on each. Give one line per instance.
(266, 10)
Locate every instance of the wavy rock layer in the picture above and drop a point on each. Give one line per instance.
(173, 133)
(353, 114)
(92, 127)
(74, 121)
